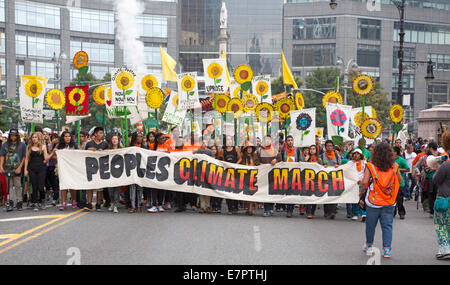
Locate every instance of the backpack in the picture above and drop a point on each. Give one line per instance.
(385, 186)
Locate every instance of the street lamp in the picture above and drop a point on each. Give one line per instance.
(333, 4)
(350, 64)
(58, 78)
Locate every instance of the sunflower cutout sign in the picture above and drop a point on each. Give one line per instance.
(243, 74)
(215, 75)
(55, 99)
(146, 82)
(31, 94)
(338, 119)
(371, 128)
(172, 114)
(303, 127)
(319, 133)
(262, 88)
(114, 112)
(77, 100)
(235, 90)
(124, 82)
(188, 91)
(332, 97)
(356, 119)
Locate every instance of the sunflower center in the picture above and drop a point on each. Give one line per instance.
(56, 98)
(363, 85)
(76, 97)
(243, 74)
(397, 113)
(264, 113)
(371, 129)
(188, 84)
(235, 108)
(332, 100)
(80, 59)
(262, 88)
(33, 88)
(250, 104)
(149, 83)
(215, 71)
(221, 103)
(285, 108)
(102, 95)
(124, 81)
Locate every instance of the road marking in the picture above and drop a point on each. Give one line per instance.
(39, 227)
(7, 236)
(31, 218)
(257, 238)
(41, 233)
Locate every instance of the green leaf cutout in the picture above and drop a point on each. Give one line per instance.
(246, 85)
(306, 133)
(217, 81)
(83, 70)
(128, 92)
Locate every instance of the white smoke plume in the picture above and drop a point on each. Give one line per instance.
(127, 32)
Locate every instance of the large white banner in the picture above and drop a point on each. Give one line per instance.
(285, 182)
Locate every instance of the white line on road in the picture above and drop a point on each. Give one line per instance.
(257, 237)
(30, 218)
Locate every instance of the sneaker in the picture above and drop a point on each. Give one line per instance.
(363, 218)
(152, 210)
(43, 206)
(369, 251)
(168, 205)
(115, 210)
(74, 205)
(332, 216)
(36, 207)
(349, 216)
(355, 218)
(111, 208)
(266, 214)
(387, 253)
(271, 212)
(309, 216)
(443, 253)
(289, 215)
(62, 207)
(402, 217)
(88, 206)
(19, 206)
(98, 207)
(160, 209)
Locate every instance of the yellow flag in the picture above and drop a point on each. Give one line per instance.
(168, 66)
(288, 78)
(228, 74)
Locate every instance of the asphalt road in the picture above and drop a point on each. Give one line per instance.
(206, 239)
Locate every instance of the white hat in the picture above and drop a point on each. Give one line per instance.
(358, 151)
(47, 130)
(440, 150)
(5, 135)
(21, 132)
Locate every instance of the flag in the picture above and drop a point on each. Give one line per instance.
(228, 80)
(168, 66)
(288, 78)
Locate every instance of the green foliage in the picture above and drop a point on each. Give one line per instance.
(279, 87)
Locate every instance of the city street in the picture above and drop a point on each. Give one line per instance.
(207, 239)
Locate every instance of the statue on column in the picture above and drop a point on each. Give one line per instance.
(223, 16)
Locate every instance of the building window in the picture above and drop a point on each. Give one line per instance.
(2, 10)
(374, 74)
(368, 55)
(408, 81)
(314, 28)
(369, 29)
(437, 94)
(3, 66)
(45, 69)
(409, 54)
(36, 44)
(20, 68)
(98, 50)
(2, 42)
(423, 33)
(37, 14)
(152, 26)
(314, 55)
(440, 61)
(92, 21)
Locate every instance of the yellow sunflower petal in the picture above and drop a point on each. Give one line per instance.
(283, 107)
(371, 128)
(99, 95)
(187, 83)
(221, 102)
(124, 80)
(154, 97)
(243, 73)
(80, 59)
(214, 70)
(299, 101)
(264, 112)
(332, 97)
(237, 92)
(33, 88)
(250, 102)
(396, 113)
(148, 82)
(363, 84)
(55, 99)
(235, 106)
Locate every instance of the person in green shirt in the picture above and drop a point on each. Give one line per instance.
(403, 168)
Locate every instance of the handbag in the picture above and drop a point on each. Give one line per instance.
(441, 204)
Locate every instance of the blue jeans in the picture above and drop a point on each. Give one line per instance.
(353, 210)
(409, 190)
(386, 217)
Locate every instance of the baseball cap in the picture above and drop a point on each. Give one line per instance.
(47, 130)
(13, 132)
(358, 151)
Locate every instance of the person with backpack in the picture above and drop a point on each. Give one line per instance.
(441, 206)
(330, 158)
(426, 178)
(382, 181)
(12, 159)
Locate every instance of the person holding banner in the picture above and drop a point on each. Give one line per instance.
(36, 157)
(66, 142)
(136, 190)
(158, 194)
(358, 159)
(97, 144)
(313, 158)
(330, 158)
(205, 201)
(268, 155)
(216, 202)
(232, 154)
(250, 158)
(382, 181)
(114, 192)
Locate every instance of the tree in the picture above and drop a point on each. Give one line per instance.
(278, 86)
